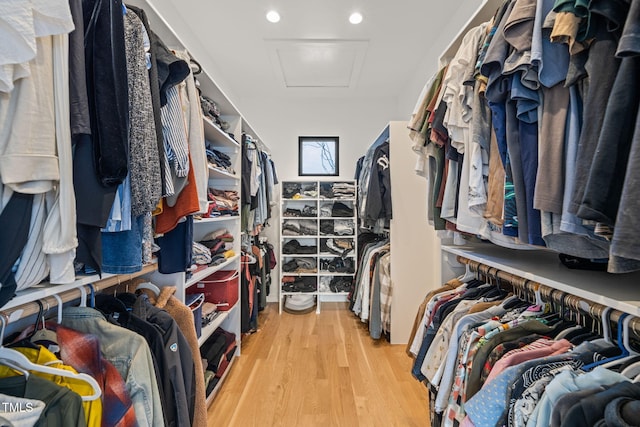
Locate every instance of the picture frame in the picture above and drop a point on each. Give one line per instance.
(318, 156)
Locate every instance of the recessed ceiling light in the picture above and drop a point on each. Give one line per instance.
(355, 18)
(273, 16)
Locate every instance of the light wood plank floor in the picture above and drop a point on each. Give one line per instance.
(319, 370)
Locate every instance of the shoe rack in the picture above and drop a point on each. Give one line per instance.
(318, 252)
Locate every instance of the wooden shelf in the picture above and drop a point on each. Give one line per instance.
(201, 274)
(217, 136)
(619, 291)
(215, 173)
(43, 290)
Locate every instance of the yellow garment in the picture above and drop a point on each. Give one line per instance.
(159, 208)
(229, 254)
(42, 356)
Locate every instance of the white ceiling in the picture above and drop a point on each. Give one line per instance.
(314, 51)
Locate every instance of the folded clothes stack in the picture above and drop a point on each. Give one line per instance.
(300, 265)
(338, 265)
(218, 159)
(338, 227)
(344, 190)
(336, 209)
(335, 284)
(299, 190)
(306, 211)
(220, 245)
(299, 284)
(301, 227)
(222, 202)
(290, 189)
(336, 246)
(294, 247)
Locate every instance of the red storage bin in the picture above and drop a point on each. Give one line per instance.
(220, 288)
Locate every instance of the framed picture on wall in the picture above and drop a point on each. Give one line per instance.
(318, 156)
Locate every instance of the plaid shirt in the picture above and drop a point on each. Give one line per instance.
(82, 351)
(386, 290)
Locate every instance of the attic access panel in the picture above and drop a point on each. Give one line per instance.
(325, 63)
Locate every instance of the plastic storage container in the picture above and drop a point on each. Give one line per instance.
(220, 288)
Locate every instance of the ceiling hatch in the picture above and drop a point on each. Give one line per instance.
(317, 63)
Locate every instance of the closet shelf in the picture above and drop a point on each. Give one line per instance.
(337, 199)
(218, 386)
(301, 293)
(202, 274)
(293, 273)
(43, 290)
(215, 324)
(215, 173)
(336, 236)
(215, 219)
(620, 292)
(329, 273)
(214, 134)
(333, 293)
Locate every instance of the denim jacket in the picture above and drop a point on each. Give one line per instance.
(130, 354)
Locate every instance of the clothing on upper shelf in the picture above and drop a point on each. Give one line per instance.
(489, 360)
(513, 131)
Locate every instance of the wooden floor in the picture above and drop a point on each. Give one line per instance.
(319, 370)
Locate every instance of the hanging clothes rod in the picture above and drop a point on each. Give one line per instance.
(32, 307)
(560, 298)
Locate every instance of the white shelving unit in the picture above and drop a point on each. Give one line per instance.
(317, 226)
(618, 291)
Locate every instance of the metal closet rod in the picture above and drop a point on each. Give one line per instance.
(577, 304)
(50, 301)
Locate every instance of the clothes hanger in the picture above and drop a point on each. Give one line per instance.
(252, 259)
(83, 296)
(621, 345)
(44, 336)
(468, 274)
(60, 306)
(16, 358)
(630, 352)
(150, 286)
(92, 296)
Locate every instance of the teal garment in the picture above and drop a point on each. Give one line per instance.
(63, 406)
(567, 382)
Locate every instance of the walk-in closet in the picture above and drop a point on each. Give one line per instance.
(338, 213)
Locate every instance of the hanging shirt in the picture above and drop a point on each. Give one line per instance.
(42, 356)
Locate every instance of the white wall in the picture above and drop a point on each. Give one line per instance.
(281, 121)
(415, 248)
